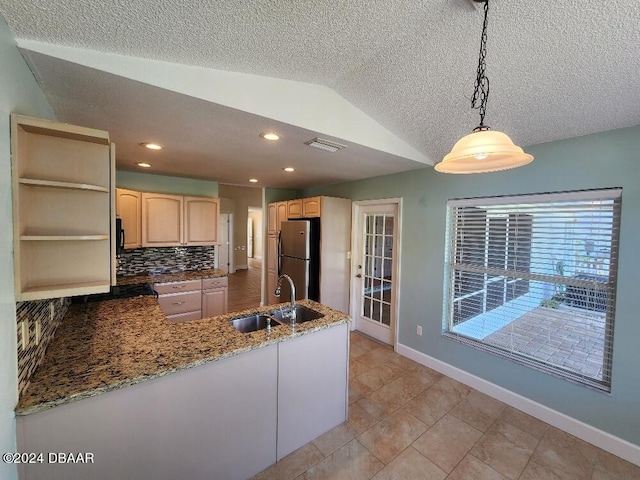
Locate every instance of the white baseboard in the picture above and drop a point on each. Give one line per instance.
(242, 267)
(599, 438)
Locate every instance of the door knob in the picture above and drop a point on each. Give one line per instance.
(359, 275)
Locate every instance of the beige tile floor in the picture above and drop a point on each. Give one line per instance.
(409, 422)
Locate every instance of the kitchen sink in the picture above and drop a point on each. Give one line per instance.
(303, 314)
(253, 323)
(280, 316)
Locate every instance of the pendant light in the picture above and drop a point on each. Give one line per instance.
(483, 150)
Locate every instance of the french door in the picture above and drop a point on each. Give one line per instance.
(376, 269)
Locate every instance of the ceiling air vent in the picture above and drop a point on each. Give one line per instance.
(323, 144)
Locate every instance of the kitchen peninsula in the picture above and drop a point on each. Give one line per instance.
(203, 400)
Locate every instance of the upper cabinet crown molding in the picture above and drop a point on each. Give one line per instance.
(62, 179)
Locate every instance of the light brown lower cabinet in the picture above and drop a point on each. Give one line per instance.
(214, 296)
(193, 299)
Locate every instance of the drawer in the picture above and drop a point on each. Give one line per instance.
(216, 282)
(175, 287)
(185, 317)
(180, 302)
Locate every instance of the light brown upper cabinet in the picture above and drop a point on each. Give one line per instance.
(304, 208)
(62, 180)
(277, 213)
(294, 208)
(311, 207)
(201, 217)
(161, 220)
(174, 220)
(129, 209)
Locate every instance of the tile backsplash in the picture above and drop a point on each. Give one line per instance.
(155, 260)
(48, 314)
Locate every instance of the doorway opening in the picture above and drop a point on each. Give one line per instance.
(245, 285)
(245, 253)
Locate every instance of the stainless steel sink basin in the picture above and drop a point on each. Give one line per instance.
(280, 316)
(253, 323)
(303, 314)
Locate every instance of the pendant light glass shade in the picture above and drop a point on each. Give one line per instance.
(483, 151)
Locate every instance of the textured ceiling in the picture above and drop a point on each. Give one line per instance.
(203, 139)
(557, 69)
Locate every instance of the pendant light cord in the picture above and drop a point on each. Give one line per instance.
(481, 91)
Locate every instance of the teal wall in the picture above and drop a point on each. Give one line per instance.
(19, 93)
(610, 159)
(145, 182)
(278, 194)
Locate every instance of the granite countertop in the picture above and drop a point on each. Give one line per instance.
(104, 346)
(170, 277)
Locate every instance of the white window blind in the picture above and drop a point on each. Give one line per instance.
(532, 278)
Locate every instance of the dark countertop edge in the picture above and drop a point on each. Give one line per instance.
(20, 412)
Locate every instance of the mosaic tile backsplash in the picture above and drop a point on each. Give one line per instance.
(33, 312)
(154, 260)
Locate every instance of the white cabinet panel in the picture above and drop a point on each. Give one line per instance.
(312, 386)
(208, 422)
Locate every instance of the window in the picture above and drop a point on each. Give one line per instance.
(532, 278)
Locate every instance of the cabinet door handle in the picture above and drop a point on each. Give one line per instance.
(178, 303)
(178, 286)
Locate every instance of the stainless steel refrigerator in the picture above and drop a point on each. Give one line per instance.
(299, 257)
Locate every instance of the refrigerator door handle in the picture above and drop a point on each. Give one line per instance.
(278, 253)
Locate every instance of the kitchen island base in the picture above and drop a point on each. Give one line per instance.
(228, 419)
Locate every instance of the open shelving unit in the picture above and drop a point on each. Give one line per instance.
(62, 176)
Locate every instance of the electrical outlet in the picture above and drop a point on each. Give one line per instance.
(38, 331)
(25, 334)
(419, 330)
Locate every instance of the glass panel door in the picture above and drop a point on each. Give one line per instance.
(376, 272)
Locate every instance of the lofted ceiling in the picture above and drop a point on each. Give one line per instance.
(557, 69)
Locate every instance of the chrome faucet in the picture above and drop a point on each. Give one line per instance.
(293, 295)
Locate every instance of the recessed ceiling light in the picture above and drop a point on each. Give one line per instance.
(253, 180)
(289, 169)
(273, 136)
(144, 165)
(152, 146)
